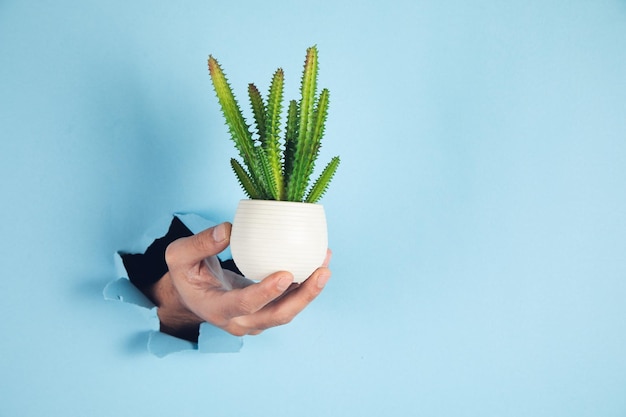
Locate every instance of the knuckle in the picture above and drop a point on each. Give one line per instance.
(252, 299)
(216, 320)
(237, 332)
(172, 253)
(312, 295)
(245, 307)
(236, 328)
(201, 244)
(280, 319)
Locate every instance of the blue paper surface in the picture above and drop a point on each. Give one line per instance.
(477, 220)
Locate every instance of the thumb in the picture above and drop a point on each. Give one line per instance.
(193, 249)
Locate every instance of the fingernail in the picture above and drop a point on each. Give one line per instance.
(322, 280)
(284, 282)
(219, 233)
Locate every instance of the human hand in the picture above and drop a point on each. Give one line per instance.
(197, 289)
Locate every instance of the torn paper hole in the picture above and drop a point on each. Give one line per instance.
(211, 339)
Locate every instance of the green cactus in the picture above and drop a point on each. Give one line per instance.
(275, 167)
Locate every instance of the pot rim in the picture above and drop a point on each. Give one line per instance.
(276, 202)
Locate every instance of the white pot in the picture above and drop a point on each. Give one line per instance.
(270, 236)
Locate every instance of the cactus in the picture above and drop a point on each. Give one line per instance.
(278, 167)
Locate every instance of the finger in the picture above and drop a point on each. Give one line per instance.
(237, 330)
(329, 255)
(236, 280)
(193, 249)
(249, 300)
(290, 305)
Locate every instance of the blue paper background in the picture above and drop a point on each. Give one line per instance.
(478, 219)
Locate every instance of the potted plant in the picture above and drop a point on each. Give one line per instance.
(281, 226)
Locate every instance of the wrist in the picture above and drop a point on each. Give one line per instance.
(174, 317)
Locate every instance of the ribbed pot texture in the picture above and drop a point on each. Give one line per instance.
(269, 236)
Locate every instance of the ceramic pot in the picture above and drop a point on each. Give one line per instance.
(269, 236)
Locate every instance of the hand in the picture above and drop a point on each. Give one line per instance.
(197, 289)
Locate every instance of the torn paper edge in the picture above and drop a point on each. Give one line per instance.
(210, 340)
